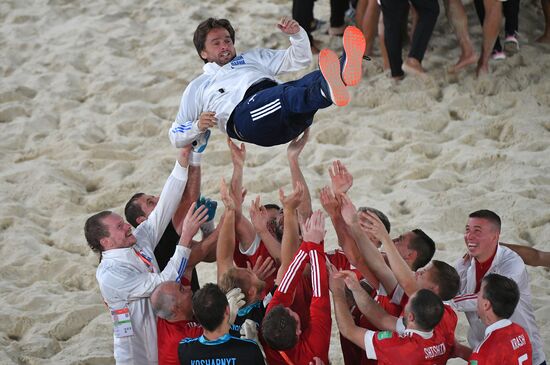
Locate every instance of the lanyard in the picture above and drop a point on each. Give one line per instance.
(285, 357)
(146, 260)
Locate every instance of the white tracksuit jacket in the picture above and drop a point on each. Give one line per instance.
(221, 88)
(506, 263)
(124, 279)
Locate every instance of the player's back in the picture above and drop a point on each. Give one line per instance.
(224, 350)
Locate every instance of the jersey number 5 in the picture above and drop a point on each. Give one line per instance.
(522, 359)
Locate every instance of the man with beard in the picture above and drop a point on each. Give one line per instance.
(241, 95)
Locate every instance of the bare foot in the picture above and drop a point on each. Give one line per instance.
(482, 70)
(413, 67)
(463, 61)
(545, 38)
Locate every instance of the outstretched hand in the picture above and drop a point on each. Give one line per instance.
(296, 146)
(340, 177)
(258, 215)
(183, 156)
(192, 222)
(348, 210)
(238, 154)
(288, 25)
(262, 269)
(314, 228)
(329, 202)
(207, 120)
(373, 225)
(293, 200)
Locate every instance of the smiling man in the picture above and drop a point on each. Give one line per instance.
(485, 255)
(241, 95)
(128, 271)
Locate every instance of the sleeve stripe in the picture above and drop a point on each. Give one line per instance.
(369, 345)
(315, 275)
(291, 271)
(181, 269)
(465, 297)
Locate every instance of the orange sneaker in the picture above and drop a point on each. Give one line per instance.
(354, 49)
(329, 65)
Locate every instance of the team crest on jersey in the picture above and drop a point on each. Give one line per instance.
(239, 60)
(384, 335)
(473, 362)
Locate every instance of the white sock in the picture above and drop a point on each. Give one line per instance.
(195, 158)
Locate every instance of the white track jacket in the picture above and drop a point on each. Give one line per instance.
(126, 281)
(506, 263)
(220, 88)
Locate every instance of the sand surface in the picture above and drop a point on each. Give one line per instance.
(89, 90)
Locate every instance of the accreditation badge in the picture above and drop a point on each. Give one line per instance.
(122, 324)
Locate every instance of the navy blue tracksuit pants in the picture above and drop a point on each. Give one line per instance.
(276, 115)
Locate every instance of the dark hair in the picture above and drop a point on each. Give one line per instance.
(379, 214)
(95, 230)
(272, 206)
(279, 329)
(199, 38)
(427, 308)
(233, 279)
(503, 293)
(424, 247)
(132, 210)
(447, 280)
(209, 305)
(488, 215)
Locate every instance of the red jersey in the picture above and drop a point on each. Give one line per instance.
(315, 337)
(505, 343)
(339, 259)
(251, 256)
(411, 348)
(169, 335)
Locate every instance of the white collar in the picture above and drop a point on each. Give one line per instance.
(497, 325)
(424, 335)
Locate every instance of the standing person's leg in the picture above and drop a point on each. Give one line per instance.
(545, 38)
(382, 40)
(459, 22)
(428, 11)
(337, 16)
(394, 12)
(510, 9)
(491, 27)
(302, 12)
(360, 13)
(497, 52)
(369, 23)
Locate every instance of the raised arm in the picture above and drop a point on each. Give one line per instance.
(152, 229)
(260, 219)
(346, 325)
(191, 192)
(317, 335)
(245, 230)
(293, 151)
(367, 305)
(531, 256)
(226, 239)
(345, 240)
(372, 256)
(291, 235)
(403, 273)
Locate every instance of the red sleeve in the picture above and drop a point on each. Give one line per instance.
(285, 291)
(315, 340)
